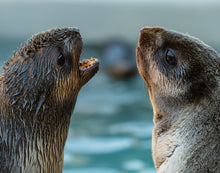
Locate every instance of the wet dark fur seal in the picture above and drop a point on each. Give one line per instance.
(183, 78)
(38, 91)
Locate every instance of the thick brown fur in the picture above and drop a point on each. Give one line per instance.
(185, 99)
(38, 90)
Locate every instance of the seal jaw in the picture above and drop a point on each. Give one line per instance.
(148, 39)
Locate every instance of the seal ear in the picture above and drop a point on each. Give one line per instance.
(201, 90)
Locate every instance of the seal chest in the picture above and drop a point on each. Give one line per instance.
(183, 78)
(38, 90)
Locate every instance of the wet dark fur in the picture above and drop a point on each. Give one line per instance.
(37, 98)
(185, 99)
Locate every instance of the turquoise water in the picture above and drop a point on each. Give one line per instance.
(110, 130)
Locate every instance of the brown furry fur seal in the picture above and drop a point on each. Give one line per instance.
(183, 78)
(38, 91)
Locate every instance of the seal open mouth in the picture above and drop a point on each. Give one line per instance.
(88, 64)
(88, 69)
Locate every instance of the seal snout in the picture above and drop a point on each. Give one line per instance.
(146, 40)
(148, 36)
(73, 43)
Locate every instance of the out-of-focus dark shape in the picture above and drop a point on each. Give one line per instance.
(118, 59)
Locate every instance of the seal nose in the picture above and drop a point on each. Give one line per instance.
(145, 29)
(151, 30)
(74, 29)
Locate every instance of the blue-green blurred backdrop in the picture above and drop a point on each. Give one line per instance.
(111, 125)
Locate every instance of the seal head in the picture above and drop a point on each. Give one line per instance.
(38, 90)
(183, 78)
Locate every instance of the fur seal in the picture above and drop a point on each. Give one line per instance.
(38, 90)
(183, 78)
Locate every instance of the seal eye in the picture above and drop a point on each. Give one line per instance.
(170, 57)
(61, 60)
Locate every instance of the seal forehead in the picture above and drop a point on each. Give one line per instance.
(54, 37)
(158, 37)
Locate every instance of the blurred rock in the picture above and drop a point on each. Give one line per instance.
(118, 59)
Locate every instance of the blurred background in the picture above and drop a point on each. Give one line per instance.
(111, 125)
